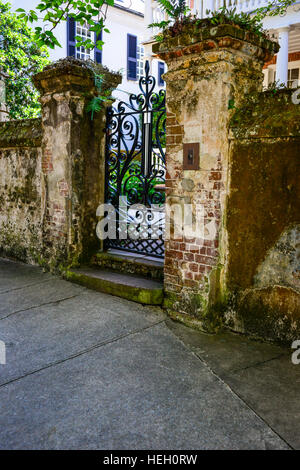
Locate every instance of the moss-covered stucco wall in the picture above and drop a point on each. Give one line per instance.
(21, 190)
(263, 218)
(52, 169)
(73, 147)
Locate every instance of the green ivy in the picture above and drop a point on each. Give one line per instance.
(20, 58)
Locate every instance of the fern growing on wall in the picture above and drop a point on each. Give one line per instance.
(179, 15)
(175, 9)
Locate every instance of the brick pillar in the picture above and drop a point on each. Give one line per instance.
(209, 72)
(73, 159)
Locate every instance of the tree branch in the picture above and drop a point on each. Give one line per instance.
(61, 16)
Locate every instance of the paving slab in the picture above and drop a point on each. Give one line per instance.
(86, 370)
(145, 391)
(15, 275)
(39, 293)
(226, 351)
(272, 390)
(40, 336)
(262, 374)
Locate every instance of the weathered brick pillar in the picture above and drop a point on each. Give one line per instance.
(73, 159)
(210, 69)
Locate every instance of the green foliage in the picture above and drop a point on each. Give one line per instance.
(175, 9)
(53, 12)
(132, 185)
(231, 104)
(221, 16)
(274, 8)
(20, 58)
(159, 124)
(95, 105)
(178, 14)
(275, 87)
(94, 12)
(161, 128)
(229, 16)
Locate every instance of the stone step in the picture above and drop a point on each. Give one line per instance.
(136, 288)
(130, 263)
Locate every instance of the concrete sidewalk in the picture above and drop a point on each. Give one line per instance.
(86, 370)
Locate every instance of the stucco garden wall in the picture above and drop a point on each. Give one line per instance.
(22, 189)
(52, 169)
(263, 217)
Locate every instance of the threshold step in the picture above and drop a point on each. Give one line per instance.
(135, 288)
(130, 263)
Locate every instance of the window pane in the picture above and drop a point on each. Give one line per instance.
(84, 33)
(140, 61)
(132, 47)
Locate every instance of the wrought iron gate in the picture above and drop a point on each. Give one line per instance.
(135, 167)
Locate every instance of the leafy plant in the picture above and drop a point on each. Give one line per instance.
(231, 104)
(94, 13)
(175, 9)
(275, 87)
(230, 16)
(53, 12)
(95, 105)
(132, 185)
(20, 58)
(273, 8)
(103, 90)
(178, 14)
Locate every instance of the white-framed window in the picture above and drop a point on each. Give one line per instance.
(293, 78)
(271, 73)
(84, 32)
(140, 59)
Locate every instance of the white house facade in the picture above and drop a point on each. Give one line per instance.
(285, 67)
(129, 42)
(123, 48)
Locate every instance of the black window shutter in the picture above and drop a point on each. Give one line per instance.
(71, 33)
(131, 57)
(161, 71)
(98, 52)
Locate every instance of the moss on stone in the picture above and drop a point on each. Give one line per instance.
(271, 313)
(128, 265)
(204, 307)
(203, 32)
(270, 113)
(135, 294)
(22, 133)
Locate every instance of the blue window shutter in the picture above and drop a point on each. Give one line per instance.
(161, 71)
(98, 52)
(71, 33)
(131, 57)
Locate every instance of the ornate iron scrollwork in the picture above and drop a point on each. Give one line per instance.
(135, 165)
